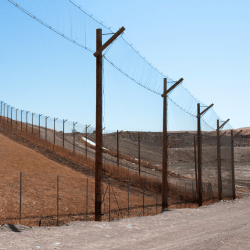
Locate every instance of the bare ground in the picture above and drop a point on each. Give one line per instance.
(223, 225)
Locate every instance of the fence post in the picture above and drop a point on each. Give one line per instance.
(26, 119)
(86, 141)
(57, 214)
(22, 120)
(128, 197)
(195, 162)
(54, 131)
(20, 206)
(156, 192)
(46, 123)
(74, 123)
(63, 130)
(139, 154)
(16, 119)
(143, 196)
(109, 199)
(219, 161)
(4, 109)
(1, 110)
(87, 193)
(32, 121)
(11, 116)
(199, 156)
(117, 135)
(7, 113)
(232, 159)
(39, 124)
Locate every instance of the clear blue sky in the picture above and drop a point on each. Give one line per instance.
(205, 42)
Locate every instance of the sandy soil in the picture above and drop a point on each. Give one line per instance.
(223, 225)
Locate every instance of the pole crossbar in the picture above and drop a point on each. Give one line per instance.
(205, 110)
(224, 123)
(112, 39)
(172, 87)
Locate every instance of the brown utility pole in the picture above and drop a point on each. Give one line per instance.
(199, 142)
(98, 154)
(86, 141)
(165, 153)
(219, 157)
(118, 146)
(165, 144)
(219, 161)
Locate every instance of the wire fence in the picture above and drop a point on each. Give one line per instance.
(132, 172)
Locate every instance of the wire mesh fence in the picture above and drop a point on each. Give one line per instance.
(137, 156)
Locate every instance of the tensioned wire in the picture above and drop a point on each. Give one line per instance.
(72, 22)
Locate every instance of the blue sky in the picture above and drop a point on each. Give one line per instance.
(205, 42)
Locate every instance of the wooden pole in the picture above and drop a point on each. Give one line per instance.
(199, 155)
(232, 159)
(98, 154)
(219, 161)
(164, 153)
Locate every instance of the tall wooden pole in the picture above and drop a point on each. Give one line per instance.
(98, 154)
(232, 159)
(199, 155)
(219, 162)
(165, 153)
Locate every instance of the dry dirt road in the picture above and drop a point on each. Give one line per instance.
(224, 225)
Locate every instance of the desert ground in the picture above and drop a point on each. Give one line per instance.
(222, 225)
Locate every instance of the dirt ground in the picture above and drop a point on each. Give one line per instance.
(39, 189)
(223, 225)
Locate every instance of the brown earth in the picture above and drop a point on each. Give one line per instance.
(181, 163)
